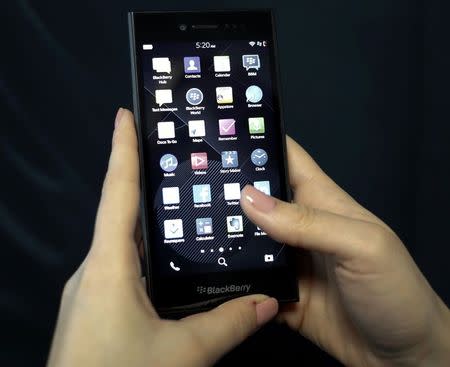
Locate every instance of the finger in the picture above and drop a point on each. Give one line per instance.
(312, 187)
(224, 327)
(306, 227)
(119, 204)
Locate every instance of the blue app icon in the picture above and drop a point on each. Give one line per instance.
(204, 226)
(229, 159)
(263, 186)
(202, 193)
(192, 65)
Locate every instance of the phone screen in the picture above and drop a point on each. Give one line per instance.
(210, 125)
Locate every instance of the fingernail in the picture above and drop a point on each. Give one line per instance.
(266, 311)
(258, 199)
(118, 117)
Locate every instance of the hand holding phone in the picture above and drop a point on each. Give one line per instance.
(106, 319)
(364, 299)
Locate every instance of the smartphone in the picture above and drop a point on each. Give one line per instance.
(208, 117)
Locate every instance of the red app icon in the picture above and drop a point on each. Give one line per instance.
(199, 160)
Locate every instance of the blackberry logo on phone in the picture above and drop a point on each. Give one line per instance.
(208, 118)
(229, 288)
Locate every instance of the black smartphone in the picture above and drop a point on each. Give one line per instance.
(208, 116)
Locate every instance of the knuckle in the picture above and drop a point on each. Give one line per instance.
(378, 244)
(302, 219)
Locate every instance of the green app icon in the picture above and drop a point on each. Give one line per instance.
(256, 125)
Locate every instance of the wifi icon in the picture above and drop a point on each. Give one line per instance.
(252, 43)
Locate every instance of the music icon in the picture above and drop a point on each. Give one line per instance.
(168, 162)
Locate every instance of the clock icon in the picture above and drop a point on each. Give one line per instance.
(259, 157)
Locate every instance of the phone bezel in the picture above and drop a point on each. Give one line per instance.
(280, 283)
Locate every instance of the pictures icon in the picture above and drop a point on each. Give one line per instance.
(256, 125)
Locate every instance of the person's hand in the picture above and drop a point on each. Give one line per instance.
(106, 318)
(362, 297)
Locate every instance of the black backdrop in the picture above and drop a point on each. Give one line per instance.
(364, 92)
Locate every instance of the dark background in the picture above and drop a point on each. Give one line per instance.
(365, 92)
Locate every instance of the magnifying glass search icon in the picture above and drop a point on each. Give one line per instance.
(221, 261)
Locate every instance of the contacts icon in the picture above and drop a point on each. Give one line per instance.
(192, 65)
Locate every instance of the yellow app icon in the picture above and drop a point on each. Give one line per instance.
(224, 95)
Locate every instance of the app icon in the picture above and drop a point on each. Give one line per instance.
(192, 65)
(166, 130)
(199, 160)
(161, 65)
(251, 62)
(263, 186)
(168, 162)
(171, 195)
(227, 126)
(224, 95)
(197, 128)
(174, 267)
(163, 96)
(194, 96)
(232, 191)
(204, 226)
(222, 64)
(234, 223)
(259, 157)
(230, 159)
(253, 94)
(221, 261)
(268, 258)
(256, 125)
(202, 193)
(173, 228)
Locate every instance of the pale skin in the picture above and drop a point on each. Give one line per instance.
(363, 299)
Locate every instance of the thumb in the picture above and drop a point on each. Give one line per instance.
(310, 228)
(224, 327)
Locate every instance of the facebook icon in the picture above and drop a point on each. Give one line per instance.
(202, 193)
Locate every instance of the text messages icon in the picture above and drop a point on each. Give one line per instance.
(251, 62)
(163, 96)
(161, 65)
